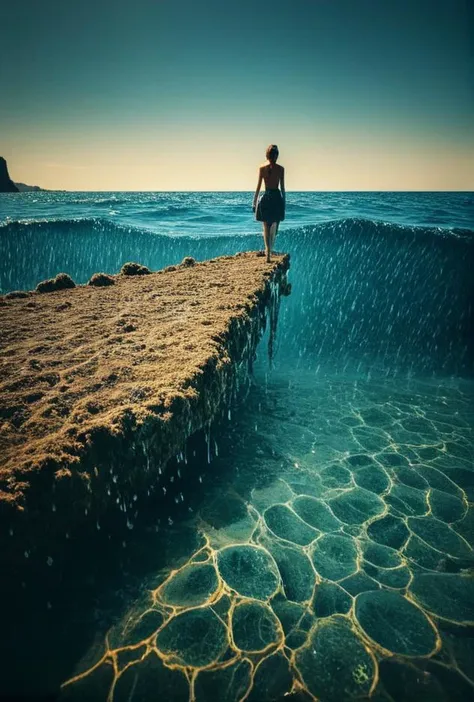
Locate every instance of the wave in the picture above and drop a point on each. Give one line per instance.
(195, 212)
(354, 227)
(366, 228)
(59, 224)
(101, 202)
(359, 286)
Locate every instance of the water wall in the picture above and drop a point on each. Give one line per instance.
(396, 296)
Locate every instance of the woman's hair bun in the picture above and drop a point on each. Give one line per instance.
(272, 152)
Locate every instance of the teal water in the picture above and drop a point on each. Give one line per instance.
(319, 545)
(329, 553)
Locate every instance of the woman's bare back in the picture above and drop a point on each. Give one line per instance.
(271, 176)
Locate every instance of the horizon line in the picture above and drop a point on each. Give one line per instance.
(394, 190)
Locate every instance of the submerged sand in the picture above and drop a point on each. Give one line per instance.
(86, 360)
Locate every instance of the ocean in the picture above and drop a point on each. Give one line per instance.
(322, 545)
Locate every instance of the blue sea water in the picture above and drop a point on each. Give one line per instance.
(222, 213)
(327, 547)
(381, 273)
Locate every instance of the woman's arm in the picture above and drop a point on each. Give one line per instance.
(259, 185)
(282, 183)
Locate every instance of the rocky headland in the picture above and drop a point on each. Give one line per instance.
(6, 183)
(8, 186)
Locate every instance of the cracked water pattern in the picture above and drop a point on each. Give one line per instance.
(338, 564)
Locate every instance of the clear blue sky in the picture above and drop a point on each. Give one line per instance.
(186, 94)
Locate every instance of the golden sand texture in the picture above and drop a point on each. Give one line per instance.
(89, 360)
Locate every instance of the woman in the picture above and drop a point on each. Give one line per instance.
(271, 206)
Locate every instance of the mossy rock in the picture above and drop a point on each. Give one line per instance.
(61, 282)
(14, 294)
(316, 513)
(255, 627)
(395, 623)
(286, 524)
(101, 280)
(170, 269)
(335, 556)
(188, 261)
(192, 585)
(249, 570)
(334, 664)
(194, 639)
(297, 574)
(131, 268)
(446, 595)
(330, 599)
(357, 506)
(389, 531)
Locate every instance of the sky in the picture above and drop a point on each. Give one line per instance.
(187, 94)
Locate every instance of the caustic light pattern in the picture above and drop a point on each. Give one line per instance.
(339, 577)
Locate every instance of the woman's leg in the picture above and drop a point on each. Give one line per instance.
(266, 239)
(273, 233)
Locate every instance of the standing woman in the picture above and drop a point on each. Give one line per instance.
(271, 206)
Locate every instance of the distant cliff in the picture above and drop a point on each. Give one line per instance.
(23, 188)
(6, 185)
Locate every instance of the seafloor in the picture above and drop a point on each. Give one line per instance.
(332, 562)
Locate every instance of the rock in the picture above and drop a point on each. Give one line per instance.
(23, 188)
(61, 282)
(188, 261)
(113, 407)
(16, 294)
(134, 269)
(101, 279)
(6, 184)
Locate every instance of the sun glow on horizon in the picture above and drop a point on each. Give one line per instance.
(181, 98)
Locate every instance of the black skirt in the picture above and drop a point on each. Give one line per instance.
(271, 207)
